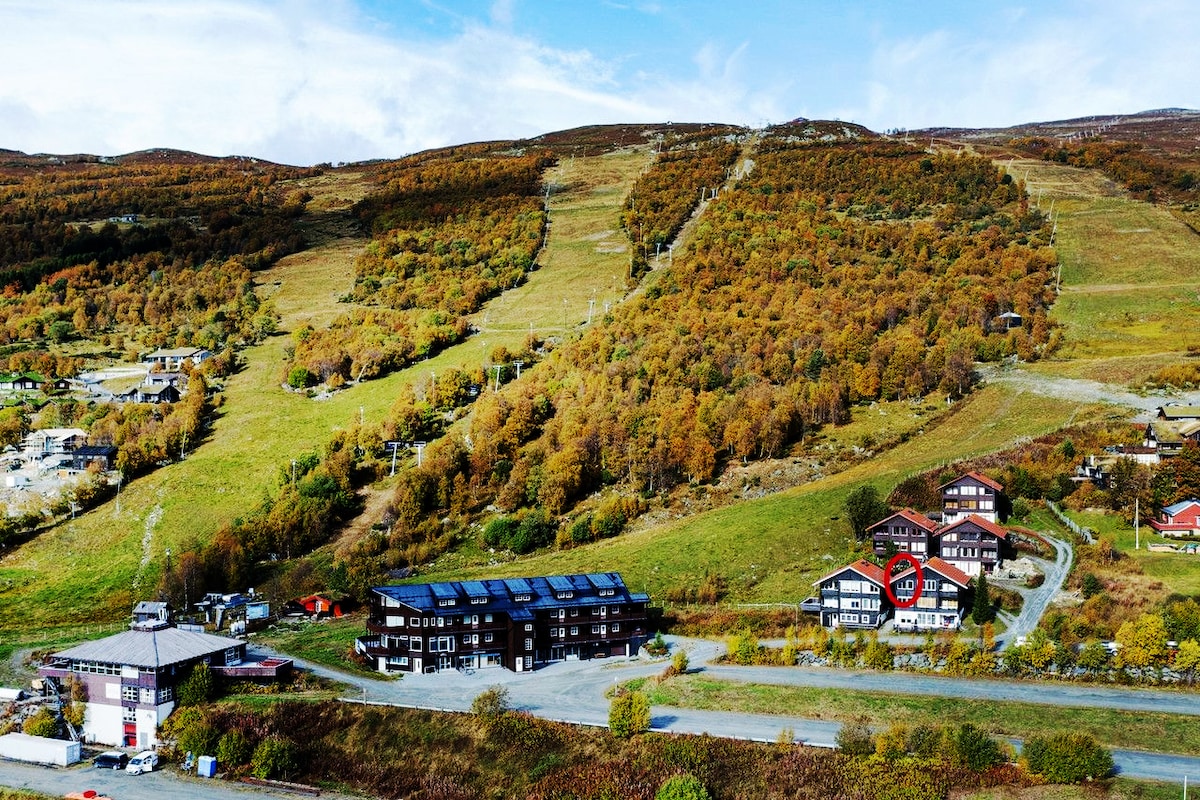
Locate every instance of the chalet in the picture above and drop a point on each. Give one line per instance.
(515, 623)
(151, 610)
(1178, 412)
(176, 379)
(156, 394)
(103, 456)
(316, 605)
(940, 606)
(1179, 519)
(971, 494)
(132, 677)
(906, 531)
(853, 597)
(21, 382)
(973, 544)
(54, 441)
(174, 359)
(1167, 436)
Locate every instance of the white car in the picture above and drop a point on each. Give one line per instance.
(144, 761)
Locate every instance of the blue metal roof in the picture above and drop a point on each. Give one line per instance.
(560, 583)
(601, 581)
(474, 588)
(500, 593)
(1176, 508)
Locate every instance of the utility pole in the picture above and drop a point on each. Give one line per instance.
(420, 448)
(498, 368)
(591, 307)
(394, 446)
(1137, 541)
(519, 363)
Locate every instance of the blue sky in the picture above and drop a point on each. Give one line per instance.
(305, 81)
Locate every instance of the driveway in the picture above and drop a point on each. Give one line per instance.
(1038, 600)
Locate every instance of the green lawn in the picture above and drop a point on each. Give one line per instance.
(1169, 733)
(328, 642)
(1179, 572)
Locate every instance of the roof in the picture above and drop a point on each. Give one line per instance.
(1179, 412)
(1178, 508)
(920, 520)
(984, 479)
(979, 522)
(872, 572)
(150, 647)
(451, 597)
(150, 607)
(178, 352)
(943, 568)
(96, 450)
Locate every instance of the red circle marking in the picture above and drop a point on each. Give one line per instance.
(887, 580)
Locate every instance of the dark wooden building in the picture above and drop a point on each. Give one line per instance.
(515, 623)
(906, 531)
(852, 596)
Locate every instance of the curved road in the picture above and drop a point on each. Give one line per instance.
(1038, 599)
(575, 692)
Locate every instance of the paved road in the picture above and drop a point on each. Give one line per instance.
(1038, 599)
(575, 692)
(158, 785)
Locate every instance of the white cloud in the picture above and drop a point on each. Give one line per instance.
(1099, 58)
(287, 81)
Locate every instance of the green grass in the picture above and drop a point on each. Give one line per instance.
(771, 550)
(1179, 572)
(1155, 732)
(1113, 789)
(1128, 268)
(328, 642)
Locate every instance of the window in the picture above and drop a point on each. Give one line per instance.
(128, 714)
(487, 637)
(574, 630)
(487, 617)
(446, 602)
(529, 644)
(521, 598)
(441, 622)
(478, 601)
(607, 592)
(564, 595)
(595, 629)
(616, 609)
(414, 643)
(233, 657)
(398, 661)
(574, 612)
(844, 617)
(129, 693)
(475, 620)
(414, 621)
(166, 695)
(616, 626)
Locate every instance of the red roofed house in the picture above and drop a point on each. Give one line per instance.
(973, 544)
(969, 494)
(1179, 519)
(852, 596)
(907, 531)
(944, 588)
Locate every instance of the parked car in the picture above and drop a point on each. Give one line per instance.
(111, 759)
(144, 761)
(811, 605)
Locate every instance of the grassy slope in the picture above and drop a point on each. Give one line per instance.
(1128, 272)
(260, 426)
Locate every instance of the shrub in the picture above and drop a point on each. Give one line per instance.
(199, 687)
(680, 662)
(629, 715)
(1090, 585)
(42, 723)
(491, 703)
(854, 738)
(234, 750)
(1067, 758)
(274, 757)
(973, 748)
(682, 787)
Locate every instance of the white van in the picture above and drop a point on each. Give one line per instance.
(144, 761)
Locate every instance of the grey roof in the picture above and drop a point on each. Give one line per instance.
(150, 648)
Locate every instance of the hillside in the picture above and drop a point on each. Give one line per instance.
(837, 276)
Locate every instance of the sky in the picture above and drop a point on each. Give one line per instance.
(310, 81)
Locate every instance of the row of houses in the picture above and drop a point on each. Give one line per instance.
(964, 540)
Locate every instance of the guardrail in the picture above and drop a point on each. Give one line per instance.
(1072, 525)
